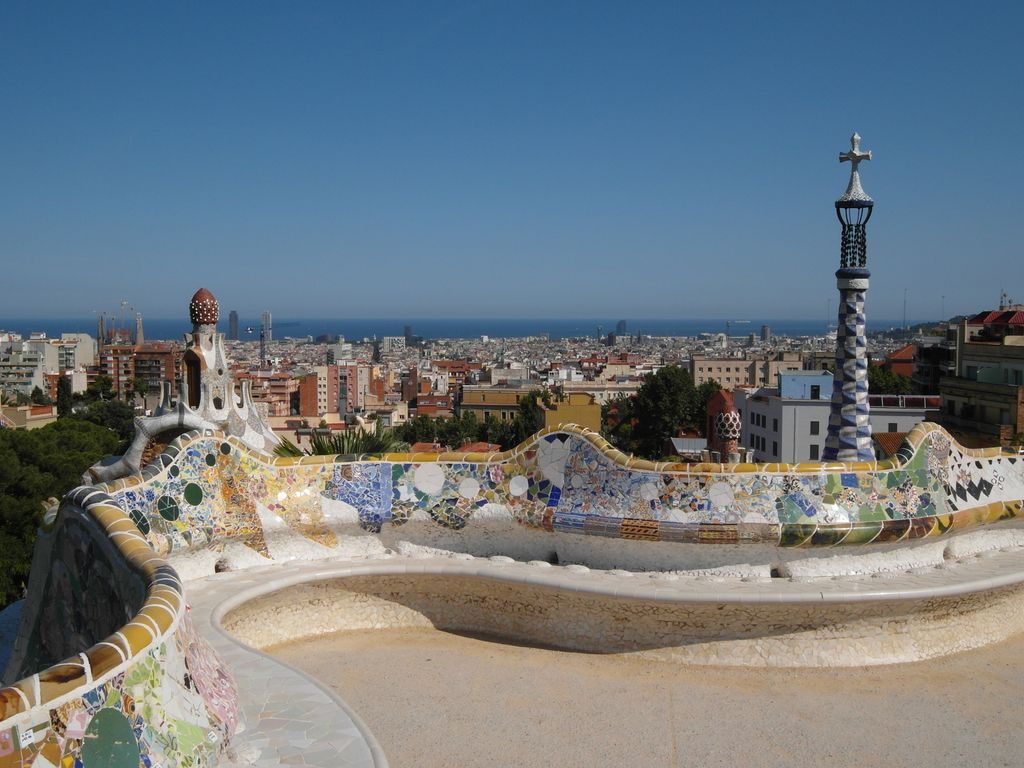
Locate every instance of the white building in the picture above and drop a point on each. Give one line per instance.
(392, 344)
(789, 423)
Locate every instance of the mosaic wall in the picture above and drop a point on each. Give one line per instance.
(152, 693)
(209, 488)
(149, 693)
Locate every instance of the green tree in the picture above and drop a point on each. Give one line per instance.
(38, 397)
(457, 431)
(617, 419)
(115, 415)
(36, 465)
(100, 389)
(664, 404)
(705, 392)
(351, 441)
(65, 398)
(884, 382)
(421, 429)
(139, 387)
(503, 433)
(530, 418)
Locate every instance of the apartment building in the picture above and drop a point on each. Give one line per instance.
(983, 402)
(749, 371)
(788, 423)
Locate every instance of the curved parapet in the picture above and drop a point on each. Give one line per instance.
(209, 488)
(107, 668)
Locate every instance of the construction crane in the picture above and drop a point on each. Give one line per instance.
(264, 330)
(728, 328)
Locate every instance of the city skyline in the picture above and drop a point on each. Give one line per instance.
(507, 161)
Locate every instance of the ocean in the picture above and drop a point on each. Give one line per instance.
(355, 329)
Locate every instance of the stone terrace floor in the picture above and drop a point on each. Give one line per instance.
(590, 709)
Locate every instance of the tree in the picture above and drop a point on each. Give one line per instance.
(421, 429)
(65, 398)
(139, 387)
(100, 389)
(36, 465)
(885, 382)
(664, 404)
(705, 392)
(530, 418)
(351, 441)
(115, 415)
(617, 420)
(38, 397)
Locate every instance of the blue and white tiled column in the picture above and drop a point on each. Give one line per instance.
(849, 423)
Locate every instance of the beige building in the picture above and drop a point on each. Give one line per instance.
(732, 372)
(501, 403)
(27, 416)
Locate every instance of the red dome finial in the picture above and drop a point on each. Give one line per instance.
(203, 309)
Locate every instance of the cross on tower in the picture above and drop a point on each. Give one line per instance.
(854, 155)
(854, 191)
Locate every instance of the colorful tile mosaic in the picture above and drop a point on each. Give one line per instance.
(148, 691)
(137, 686)
(572, 481)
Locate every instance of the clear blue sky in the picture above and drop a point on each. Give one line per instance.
(459, 159)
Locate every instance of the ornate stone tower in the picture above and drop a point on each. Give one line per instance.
(208, 399)
(849, 425)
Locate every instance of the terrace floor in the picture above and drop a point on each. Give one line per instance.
(434, 698)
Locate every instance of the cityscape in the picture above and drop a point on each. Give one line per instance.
(465, 384)
(964, 373)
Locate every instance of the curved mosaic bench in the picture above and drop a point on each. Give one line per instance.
(207, 489)
(116, 679)
(123, 679)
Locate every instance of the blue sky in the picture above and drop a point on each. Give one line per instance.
(505, 158)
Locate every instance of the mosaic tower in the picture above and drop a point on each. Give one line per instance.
(849, 425)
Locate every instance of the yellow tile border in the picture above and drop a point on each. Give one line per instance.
(155, 621)
(914, 438)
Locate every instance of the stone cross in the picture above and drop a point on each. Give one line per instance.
(854, 155)
(855, 194)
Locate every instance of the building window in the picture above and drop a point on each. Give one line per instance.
(815, 392)
(814, 453)
(775, 448)
(815, 427)
(893, 426)
(775, 426)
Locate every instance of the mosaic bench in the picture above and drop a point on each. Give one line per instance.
(110, 671)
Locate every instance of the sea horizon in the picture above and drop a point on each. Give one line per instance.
(356, 329)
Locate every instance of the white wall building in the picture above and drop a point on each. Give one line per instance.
(789, 423)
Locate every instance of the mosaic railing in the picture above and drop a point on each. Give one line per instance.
(112, 671)
(114, 674)
(207, 488)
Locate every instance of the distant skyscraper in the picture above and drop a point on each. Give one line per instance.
(620, 328)
(408, 335)
(140, 337)
(267, 327)
(766, 333)
(232, 326)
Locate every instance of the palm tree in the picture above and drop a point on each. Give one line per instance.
(350, 442)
